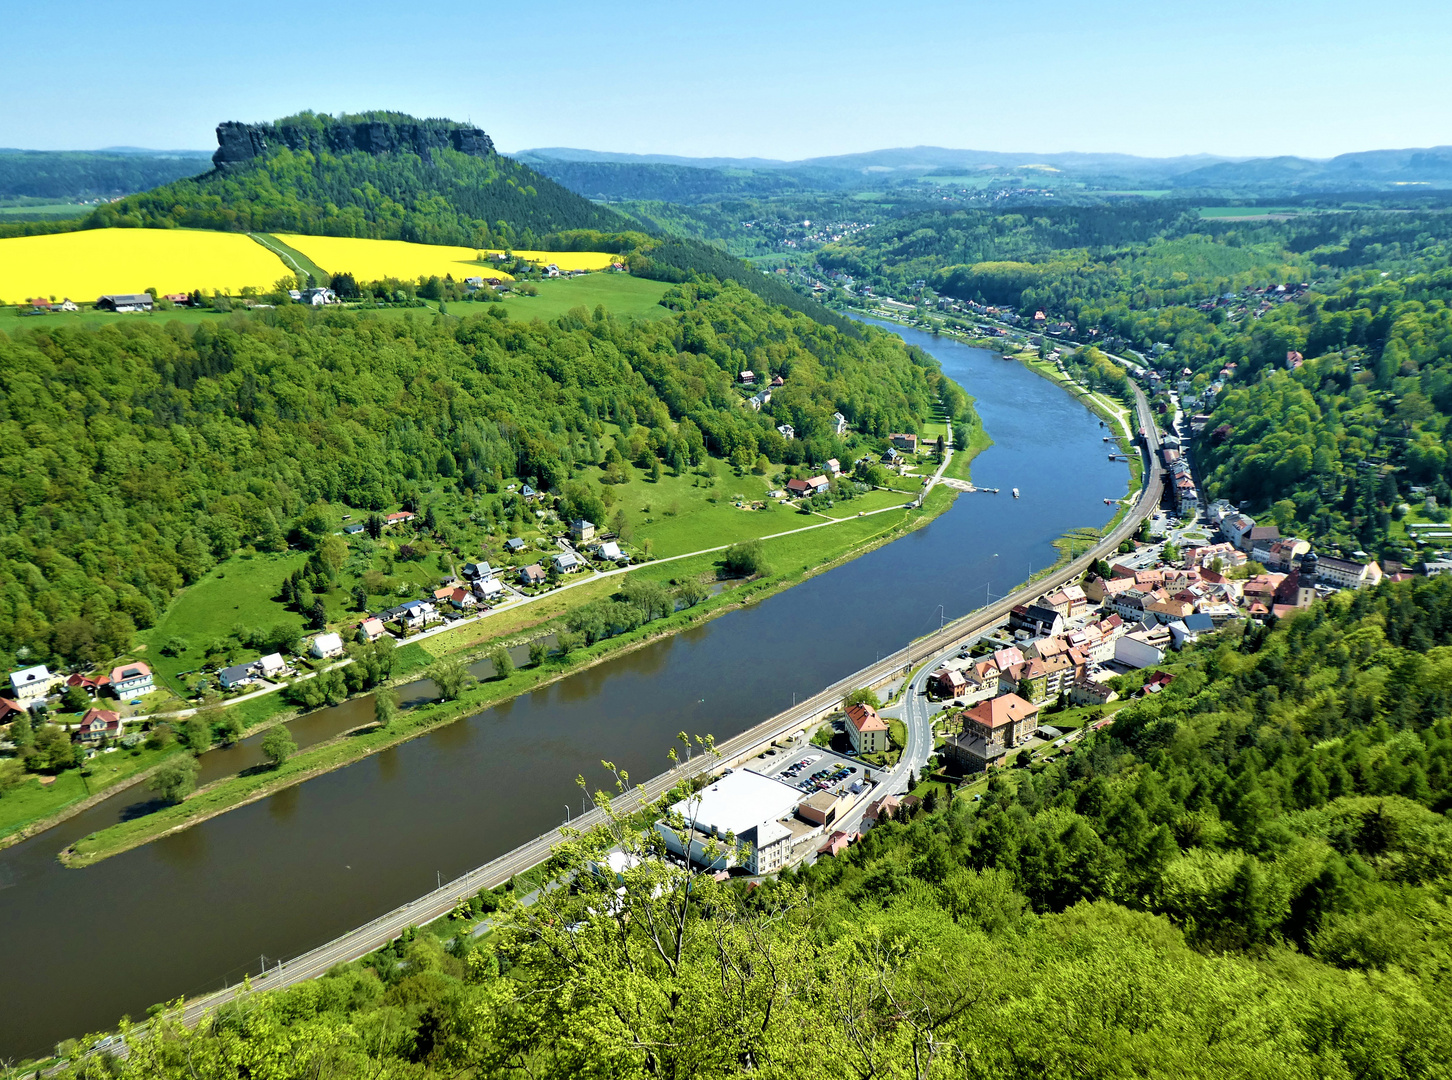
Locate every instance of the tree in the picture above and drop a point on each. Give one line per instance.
(75, 699)
(176, 779)
(503, 664)
(864, 696)
(538, 650)
(385, 707)
(691, 591)
(744, 560)
(196, 733)
(277, 745)
(451, 677)
(228, 727)
(318, 615)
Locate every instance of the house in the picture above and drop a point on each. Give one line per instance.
(747, 378)
(984, 675)
(271, 665)
(610, 551)
(443, 593)
(1280, 554)
(29, 684)
(881, 809)
(1089, 691)
(416, 613)
(567, 561)
(1100, 590)
(839, 423)
(319, 297)
(475, 571)
(1236, 527)
(131, 679)
(124, 302)
(891, 456)
(866, 730)
(532, 575)
(947, 682)
(777, 380)
(834, 466)
(1037, 620)
(582, 530)
(236, 675)
(463, 598)
(354, 528)
(488, 589)
(514, 545)
(9, 710)
(900, 441)
(990, 729)
(399, 518)
(67, 305)
(528, 493)
(88, 684)
(98, 724)
(757, 400)
(1028, 681)
(837, 843)
(1258, 536)
(786, 431)
(372, 629)
(326, 646)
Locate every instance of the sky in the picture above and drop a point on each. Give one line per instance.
(768, 79)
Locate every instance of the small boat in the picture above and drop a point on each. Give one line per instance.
(1106, 438)
(1015, 493)
(1108, 502)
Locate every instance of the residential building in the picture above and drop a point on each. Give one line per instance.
(839, 423)
(131, 679)
(770, 847)
(30, 684)
(1028, 680)
(837, 843)
(463, 599)
(1036, 620)
(92, 686)
(398, 518)
(271, 665)
(582, 530)
(372, 629)
(514, 545)
(416, 614)
(354, 528)
(567, 562)
(488, 589)
(235, 676)
(865, 729)
(880, 809)
(747, 378)
(532, 575)
(786, 431)
(1086, 690)
(1348, 573)
(10, 709)
(834, 467)
(326, 646)
(609, 551)
(904, 441)
(98, 725)
(477, 570)
(990, 729)
(947, 682)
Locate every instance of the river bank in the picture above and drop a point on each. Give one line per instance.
(351, 746)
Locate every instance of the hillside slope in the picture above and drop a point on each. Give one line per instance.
(382, 175)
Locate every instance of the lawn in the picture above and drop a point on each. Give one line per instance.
(1244, 211)
(622, 295)
(30, 800)
(240, 590)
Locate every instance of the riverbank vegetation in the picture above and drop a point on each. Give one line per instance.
(1260, 850)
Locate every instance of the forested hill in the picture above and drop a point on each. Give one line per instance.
(1247, 875)
(136, 456)
(379, 175)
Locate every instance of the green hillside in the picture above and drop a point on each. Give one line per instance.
(380, 175)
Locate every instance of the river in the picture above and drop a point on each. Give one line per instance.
(273, 879)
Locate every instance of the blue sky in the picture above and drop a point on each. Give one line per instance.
(771, 79)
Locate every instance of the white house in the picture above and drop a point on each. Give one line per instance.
(327, 646)
(609, 550)
(487, 589)
(270, 665)
(132, 678)
(567, 561)
(29, 684)
(840, 422)
(786, 431)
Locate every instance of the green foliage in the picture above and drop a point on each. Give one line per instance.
(175, 779)
(139, 456)
(747, 559)
(451, 677)
(863, 696)
(278, 745)
(502, 663)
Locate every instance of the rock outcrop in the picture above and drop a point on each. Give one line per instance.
(239, 143)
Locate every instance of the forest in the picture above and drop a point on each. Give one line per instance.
(138, 455)
(1246, 874)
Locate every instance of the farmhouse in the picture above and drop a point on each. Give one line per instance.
(121, 302)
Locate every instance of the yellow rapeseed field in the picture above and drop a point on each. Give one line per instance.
(87, 264)
(372, 260)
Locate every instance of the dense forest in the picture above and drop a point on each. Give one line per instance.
(138, 455)
(1246, 875)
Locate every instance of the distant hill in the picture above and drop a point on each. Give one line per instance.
(65, 175)
(383, 175)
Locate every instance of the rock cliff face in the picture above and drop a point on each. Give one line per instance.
(239, 143)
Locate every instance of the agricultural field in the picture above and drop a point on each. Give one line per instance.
(87, 264)
(622, 295)
(373, 260)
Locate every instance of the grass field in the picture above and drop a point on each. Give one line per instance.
(240, 590)
(294, 258)
(1244, 211)
(85, 265)
(622, 295)
(30, 800)
(43, 209)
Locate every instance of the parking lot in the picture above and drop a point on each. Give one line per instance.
(810, 769)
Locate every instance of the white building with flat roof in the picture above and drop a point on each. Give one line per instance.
(741, 804)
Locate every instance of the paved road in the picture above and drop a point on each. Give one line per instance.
(949, 639)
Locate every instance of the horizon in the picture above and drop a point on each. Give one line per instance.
(811, 80)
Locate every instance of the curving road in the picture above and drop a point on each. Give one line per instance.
(916, 718)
